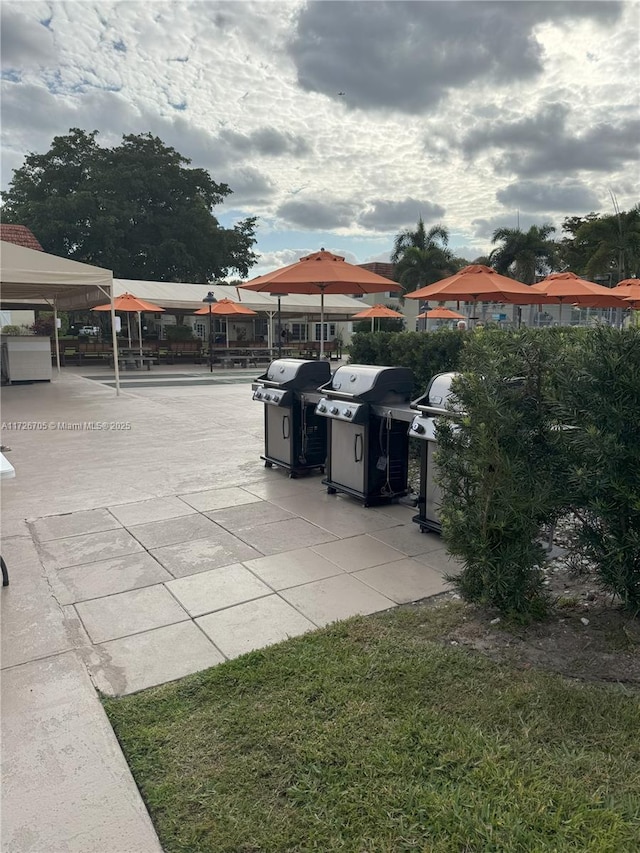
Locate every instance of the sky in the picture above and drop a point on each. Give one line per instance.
(339, 124)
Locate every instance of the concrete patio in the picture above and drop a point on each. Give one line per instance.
(148, 548)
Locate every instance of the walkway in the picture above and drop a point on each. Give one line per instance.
(155, 545)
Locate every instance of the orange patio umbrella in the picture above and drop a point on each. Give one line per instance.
(478, 283)
(322, 272)
(376, 312)
(560, 287)
(226, 308)
(629, 290)
(130, 304)
(440, 313)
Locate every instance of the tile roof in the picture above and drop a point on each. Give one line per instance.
(380, 268)
(20, 235)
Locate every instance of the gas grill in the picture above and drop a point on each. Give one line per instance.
(367, 449)
(435, 402)
(295, 438)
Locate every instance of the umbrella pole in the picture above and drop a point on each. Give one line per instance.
(129, 328)
(226, 329)
(114, 341)
(560, 314)
(279, 330)
(372, 324)
(140, 331)
(321, 355)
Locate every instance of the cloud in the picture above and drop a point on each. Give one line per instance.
(265, 141)
(483, 228)
(541, 195)
(542, 143)
(317, 215)
(382, 215)
(25, 42)
(407, 56)
(249, 187)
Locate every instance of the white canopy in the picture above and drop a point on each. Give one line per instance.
(29, 278)
(28, 275)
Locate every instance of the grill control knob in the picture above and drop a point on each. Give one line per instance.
(418, 428)
(335, 410)
(258, 395)
(347, 413)
(276, 399)
(267, 396)
(322, 407)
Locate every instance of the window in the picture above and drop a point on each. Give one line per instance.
(298, 332)
(329, 331)
(199, 330)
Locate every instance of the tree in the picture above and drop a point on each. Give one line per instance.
(615, 242)
(524, 254)
(135, 208)
(422, 257)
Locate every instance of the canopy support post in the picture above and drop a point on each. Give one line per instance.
(114, 337)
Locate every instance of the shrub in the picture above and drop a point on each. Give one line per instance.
(600, 398)
(426, 354)
(500, 468)
(179, 333)
(12, 330)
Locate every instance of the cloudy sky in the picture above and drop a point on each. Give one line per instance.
(338, 124)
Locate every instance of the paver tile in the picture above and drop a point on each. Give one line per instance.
(442, 561)
(219, 498)
(285, 536)
(408, 539)
(107, 577)
(404, 581)
(156, 509)
(335, 598)
(129, 613)
(358, 552)
(74, 524)
(153, 657)
(216, 589)
(339, 515)
(248, 515)
(173, 531)
(80, 550)
(189, 558)
(254, 625)
(293, 568)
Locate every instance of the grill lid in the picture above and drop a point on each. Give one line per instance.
(298, 374)
(437, 395)
(370, 384)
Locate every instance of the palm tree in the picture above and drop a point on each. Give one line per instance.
(422, 257)
(617, 242)
(524, 254)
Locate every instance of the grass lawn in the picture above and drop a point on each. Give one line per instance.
(372, 736)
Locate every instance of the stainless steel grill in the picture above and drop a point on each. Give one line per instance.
(438, 400)
(295, 437)
(367, 452)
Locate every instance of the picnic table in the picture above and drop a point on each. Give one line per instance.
(131, 359)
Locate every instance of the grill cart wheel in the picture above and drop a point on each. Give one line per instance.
(330, 490)
(268, 464)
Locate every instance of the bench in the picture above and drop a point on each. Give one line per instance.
(133, 362)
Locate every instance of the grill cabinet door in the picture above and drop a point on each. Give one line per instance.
(347, 455)
(278, 433)
(433, 492)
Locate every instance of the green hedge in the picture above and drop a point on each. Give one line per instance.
(564, 437)
(425, 354)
